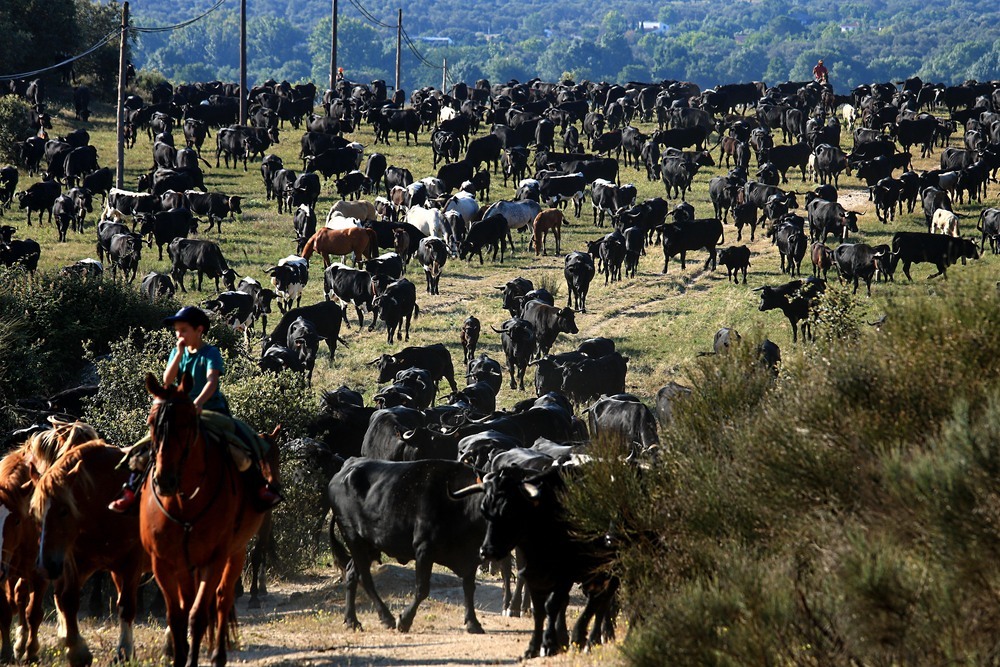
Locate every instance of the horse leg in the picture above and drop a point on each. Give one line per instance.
(224, 600)
(6, 617)
(28, 596)
(174, 593)
(67, 597)
(198, 617)
(127, 583)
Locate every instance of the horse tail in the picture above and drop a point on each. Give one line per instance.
(372, 242)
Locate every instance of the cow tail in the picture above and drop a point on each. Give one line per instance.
(979, 225)
(416, 311)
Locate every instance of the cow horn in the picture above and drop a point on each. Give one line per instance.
(499, 331)
(501, 287)
(407, 435)
(373, 362)
(467, 491)
(530, 490)
(757, 289)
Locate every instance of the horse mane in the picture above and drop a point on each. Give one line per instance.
(62, 477)
(46, 447)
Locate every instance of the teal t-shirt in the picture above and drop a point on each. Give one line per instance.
(197, 365)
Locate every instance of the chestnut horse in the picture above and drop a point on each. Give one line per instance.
(196, 521)
(24, 584)
(359, 240)
(80, 535)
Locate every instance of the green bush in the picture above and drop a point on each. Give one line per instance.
(46, 323)
(846, 514)
(14, 125)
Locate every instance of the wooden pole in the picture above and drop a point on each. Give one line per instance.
(244, 92)
(399, 48)
(333, 49)
(120, 118)
(444, 75)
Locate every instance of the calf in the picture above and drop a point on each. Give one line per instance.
(546, 221)
(470, 338)
(289, 278)
(579, 272)
(945, 222)
(491, 231)
(822, 259)
(989, 225)
(735, 259)
(304, 340)
(517, 338)
(432, 253)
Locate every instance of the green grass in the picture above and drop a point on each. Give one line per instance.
(659, 321)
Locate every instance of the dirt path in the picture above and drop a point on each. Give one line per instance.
(301, 623)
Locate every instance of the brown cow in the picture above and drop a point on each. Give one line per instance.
(546, 221)
(401, 244)
(822, 258)
(357, 240)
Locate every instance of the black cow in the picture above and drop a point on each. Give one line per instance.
(125, 252)
(396, 303)
(932, 199)
(432, 254)
(989, 225)
(304, 340)
(679, 238)
(471, 328)
(99, 182)
(491, 231)
(548, 322)
(327, 318)
(24, 252)
(625, 419)
(349, 286)
(366, 497)
(858, 261)
(444, 146)
(375, 169)
(676, 173)
(513, 294)
(830, 218)
(790, 238)
(796, 300)
(39, 197)
(786, 157)
(589, 379)
(156, 285)
(735, 259)
(390, 264)
(938, 249)
(215, 205)
(305, 190)
(195, 131)
(205, 257)
(165, 226)
(334, 161)
(435, 359)
(517, 338)
(64, 211)
(352, 184)
(105, 231)
(485, 149)
(527, 513)
(579, 272)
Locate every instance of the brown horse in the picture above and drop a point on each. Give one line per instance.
(196, 522)
(359, 240)
(24, 584)
(80, 535)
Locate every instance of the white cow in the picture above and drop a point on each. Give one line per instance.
(945, 222)
(464, 204)
(360, 209)
(519, 214)
(849, 114)
(431, 222)
(337, 220)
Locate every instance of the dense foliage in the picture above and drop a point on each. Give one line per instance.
(845, 514)
(41, 33)
(14, 125)
(706, 42)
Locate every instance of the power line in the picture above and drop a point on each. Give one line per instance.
(371, 17)
(24, 75)
(177, 26)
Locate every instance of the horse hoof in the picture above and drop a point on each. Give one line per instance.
(354, 625)
(473, 628)
(79, 656)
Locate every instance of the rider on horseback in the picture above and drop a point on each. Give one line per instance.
(203, 363)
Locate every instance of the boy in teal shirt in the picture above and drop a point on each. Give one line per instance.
(203, 363)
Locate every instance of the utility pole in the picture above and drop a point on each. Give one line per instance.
(399, 47)
(120, 118)
(243, 62)
(444, 75)
(333, 49)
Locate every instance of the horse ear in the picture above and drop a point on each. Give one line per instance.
(153, 386)
(275, 432)
(186, 382)
(33, 472)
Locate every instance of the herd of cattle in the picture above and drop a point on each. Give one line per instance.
(433, 451)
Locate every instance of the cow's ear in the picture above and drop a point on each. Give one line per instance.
(531, 491)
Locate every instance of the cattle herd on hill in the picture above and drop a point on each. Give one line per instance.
(484, 483)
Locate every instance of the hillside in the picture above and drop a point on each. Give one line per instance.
(705, 42)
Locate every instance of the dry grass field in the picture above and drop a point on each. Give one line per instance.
(659, 321)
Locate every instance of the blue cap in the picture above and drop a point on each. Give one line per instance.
(193, 315)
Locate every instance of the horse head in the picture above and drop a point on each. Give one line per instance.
(173, 422)
(57, 510)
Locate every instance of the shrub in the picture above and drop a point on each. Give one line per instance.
(845, 514)
(146, 80)
(14, 125)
